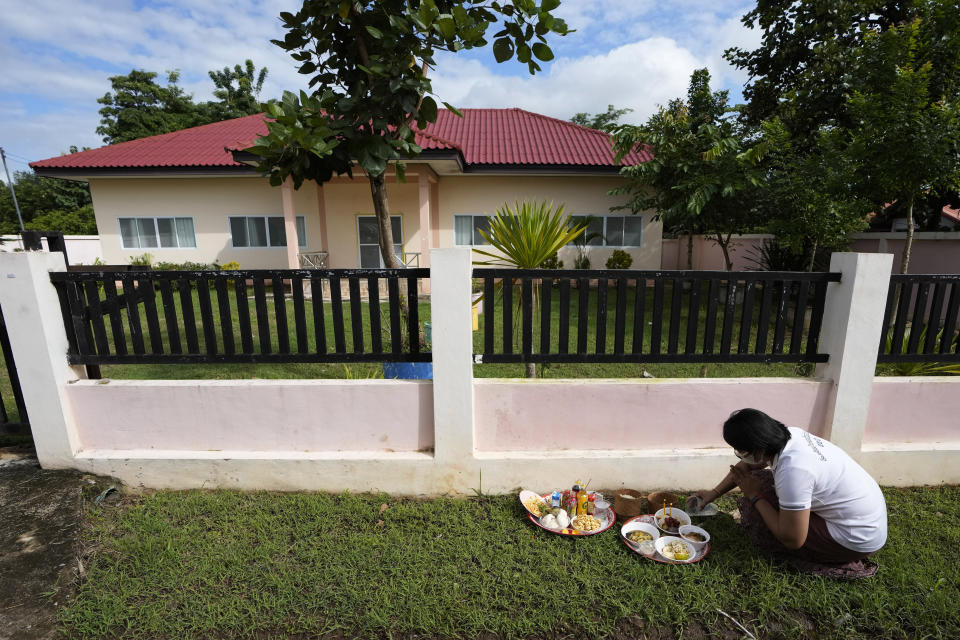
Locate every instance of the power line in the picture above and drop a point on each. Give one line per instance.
(13, 193)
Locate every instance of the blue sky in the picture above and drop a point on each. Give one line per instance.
(57, 58)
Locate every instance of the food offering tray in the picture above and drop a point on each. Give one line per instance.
(611, 517)
(656, 557)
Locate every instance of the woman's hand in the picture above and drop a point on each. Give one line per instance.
(749, 484)
(704, 497)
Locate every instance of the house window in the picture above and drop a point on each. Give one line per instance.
(264, 231)
(150, 233)
(368, 235)
(466, 229)
(612, 231)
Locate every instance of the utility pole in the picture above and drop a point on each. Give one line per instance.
(13, 193)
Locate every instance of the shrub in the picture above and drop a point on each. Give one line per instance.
(581, 261)
(233, 265)
(619, 259)
(142, 260)
(553, 262)
(186, 266)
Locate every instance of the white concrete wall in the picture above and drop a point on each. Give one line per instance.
(80, 249)
(494, 435)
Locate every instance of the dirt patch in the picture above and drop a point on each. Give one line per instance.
(40, 517)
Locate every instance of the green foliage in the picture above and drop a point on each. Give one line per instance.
(138, 106)
(143, 260)
(368, 62)
(77, 222)
(38, 196)
(242, 99)
(907, 119)
(602, 121)
(526, 235)
(704, 170)
(619, 259)
(182, 266)
(581, 261)
(799, 72)
(919, 368)
(807, 201)
(773, 255)
(553, 262)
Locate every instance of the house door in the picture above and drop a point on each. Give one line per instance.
(368, 237)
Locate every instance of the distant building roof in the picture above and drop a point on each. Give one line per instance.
(483, 137)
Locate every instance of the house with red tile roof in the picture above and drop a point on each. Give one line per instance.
(192, 195)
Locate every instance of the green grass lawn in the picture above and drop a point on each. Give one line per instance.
(225, 564)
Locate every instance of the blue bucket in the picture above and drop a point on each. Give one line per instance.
(408, 370)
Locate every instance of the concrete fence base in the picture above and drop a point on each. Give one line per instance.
(455, 435)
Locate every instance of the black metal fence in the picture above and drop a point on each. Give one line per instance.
(922, 318)
(340, 315)
(651, 316)
(7, 418)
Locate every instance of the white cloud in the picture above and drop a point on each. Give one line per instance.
(640, 75)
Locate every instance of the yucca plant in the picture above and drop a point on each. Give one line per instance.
(920, 368)
(526, 236)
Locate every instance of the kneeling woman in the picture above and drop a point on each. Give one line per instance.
(818, 502)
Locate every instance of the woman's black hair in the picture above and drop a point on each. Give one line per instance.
(751, 430)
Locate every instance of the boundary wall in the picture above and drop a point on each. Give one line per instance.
(457, 434)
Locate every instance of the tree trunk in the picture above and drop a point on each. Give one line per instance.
(813, 256)
(724, 248)
(908, 245)
(689, 251)
(378, 189)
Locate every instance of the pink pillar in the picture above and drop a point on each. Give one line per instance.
(423, 183)
(290, 224)
(322, 213)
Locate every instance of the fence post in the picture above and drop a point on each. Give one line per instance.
(31, 309)
(851, 334)
(450, 276)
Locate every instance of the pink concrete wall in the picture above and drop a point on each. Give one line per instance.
(254, 415)
(707, 255)
(921, 409)
(633, 414)
(931, 252)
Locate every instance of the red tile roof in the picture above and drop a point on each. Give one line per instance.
(483, 136)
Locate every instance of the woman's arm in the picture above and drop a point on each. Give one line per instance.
(727, 484)
(789, 527)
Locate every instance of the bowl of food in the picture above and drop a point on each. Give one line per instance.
(675, 549)
(695, 535)
(586, 524)
(636, 532)
(534, 503)
(670, 520)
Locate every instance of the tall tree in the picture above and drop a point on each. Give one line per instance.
(802, 56)
(906, 137)
(138, 107)
(368, 61)
(238, 89)
(603, 121)
(39, 196)
(703, 170)
(807, 200)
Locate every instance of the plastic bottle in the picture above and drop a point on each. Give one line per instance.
(581, 502)
(575, 507)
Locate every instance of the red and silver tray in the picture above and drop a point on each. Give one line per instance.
(611, 517)
(656, 557)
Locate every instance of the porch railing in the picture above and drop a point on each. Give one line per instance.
(651, 316)
(922, 319)
(241, 316)
(313, 259)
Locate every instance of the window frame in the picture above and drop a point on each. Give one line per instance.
(266, 228)
(360, 245)
(473, 229)
(156, 232)
(603, 240)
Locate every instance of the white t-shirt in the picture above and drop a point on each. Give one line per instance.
(813, 473)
